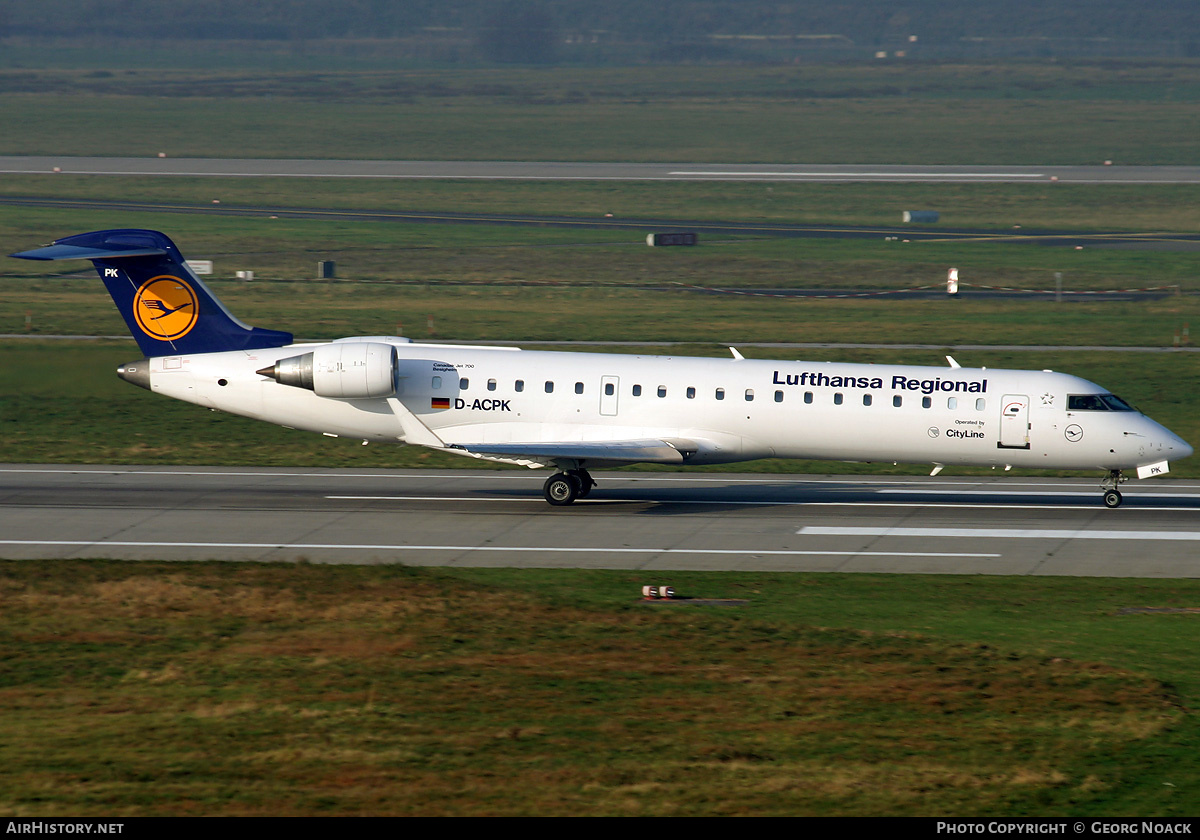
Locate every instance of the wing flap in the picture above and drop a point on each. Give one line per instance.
(650, 451)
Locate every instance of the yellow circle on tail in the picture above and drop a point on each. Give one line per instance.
(166, 307)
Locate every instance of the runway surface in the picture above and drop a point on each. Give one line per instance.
(582, 171)
(642, 521)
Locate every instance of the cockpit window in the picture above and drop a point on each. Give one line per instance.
(1115, 403)
(1097, 402)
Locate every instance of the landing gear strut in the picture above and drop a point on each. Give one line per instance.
(565, 487)
(1112, 496)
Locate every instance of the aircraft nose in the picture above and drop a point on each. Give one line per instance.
(1181, 446)
(1172, 446)
(1155, 440)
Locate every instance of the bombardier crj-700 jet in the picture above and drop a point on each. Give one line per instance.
(577, 411)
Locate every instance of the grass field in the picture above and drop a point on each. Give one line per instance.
(1001, 207)
(492, 255)
(1135, 113)
(517, 313)
(256, 689)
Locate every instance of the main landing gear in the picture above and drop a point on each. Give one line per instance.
(1112, 496)
(565, 487)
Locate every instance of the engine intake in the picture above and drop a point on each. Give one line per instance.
(350, 370)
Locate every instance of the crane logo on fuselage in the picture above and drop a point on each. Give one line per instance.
(166, 307)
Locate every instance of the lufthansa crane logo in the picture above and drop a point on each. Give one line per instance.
(166, 307)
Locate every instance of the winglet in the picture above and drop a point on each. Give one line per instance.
(735, 353)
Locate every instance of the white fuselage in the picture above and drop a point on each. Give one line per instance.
(739, 409)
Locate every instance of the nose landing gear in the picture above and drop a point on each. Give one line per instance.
(1112, 496)
(565, 487)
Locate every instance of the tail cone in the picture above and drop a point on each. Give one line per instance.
(137, 373)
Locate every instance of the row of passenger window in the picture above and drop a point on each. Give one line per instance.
(610, 389)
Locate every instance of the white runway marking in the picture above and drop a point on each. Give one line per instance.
(999, 533)
(901, 175)
(508, 548)
(524, 499)
(1078, 491)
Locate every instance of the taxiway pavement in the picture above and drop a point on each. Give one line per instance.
(594, 171)
(645, 521)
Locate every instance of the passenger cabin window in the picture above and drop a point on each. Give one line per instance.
(866, 399)
(609, 389)
(519, 385)
(437, 383)
(749, 395)
(779, 396)
(898, 401)
(720, 393)
(952, 402)
(549, 387)
(691, 393)
(980, 404)
(464, 384)
(578, 387)
(926, 402)
(637, 390)
(808, 397)
(837, 399)
(491, 384)
(1097, 402)
(662, 390)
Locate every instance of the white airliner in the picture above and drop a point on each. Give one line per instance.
(577, 411)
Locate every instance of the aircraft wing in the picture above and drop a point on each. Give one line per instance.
(651, 451)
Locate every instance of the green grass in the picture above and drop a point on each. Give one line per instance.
(253, 689)
(497, 255)
(484, 313)
(1000, 207)
(921, 113)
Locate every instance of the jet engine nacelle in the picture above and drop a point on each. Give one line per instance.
(344, 370)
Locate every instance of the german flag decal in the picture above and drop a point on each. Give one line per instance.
(439, 402)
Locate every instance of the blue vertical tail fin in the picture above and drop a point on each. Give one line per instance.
(167, 307)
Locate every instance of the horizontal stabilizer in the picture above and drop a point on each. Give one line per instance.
(74, 252)
(654, 451)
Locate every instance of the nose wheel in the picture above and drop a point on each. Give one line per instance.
(1112, 496)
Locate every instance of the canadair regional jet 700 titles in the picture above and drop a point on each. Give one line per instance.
(578, 411)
